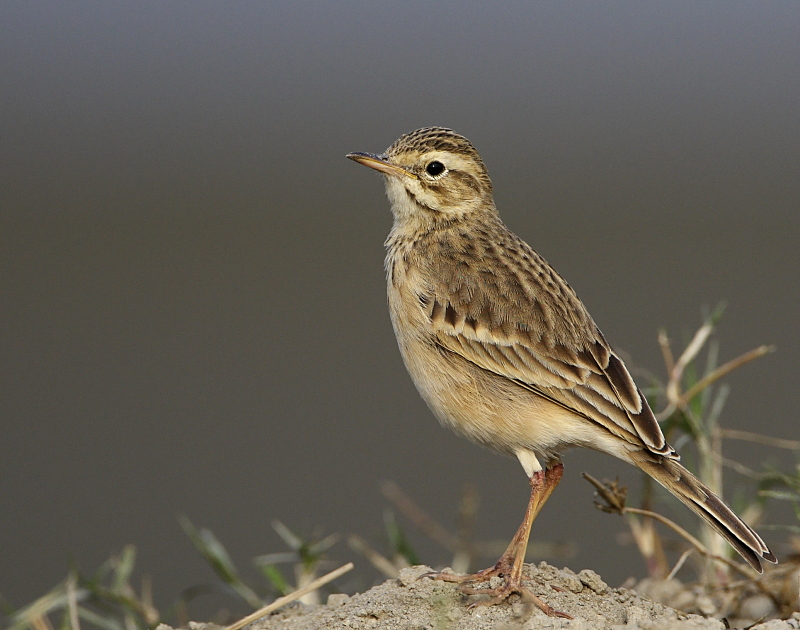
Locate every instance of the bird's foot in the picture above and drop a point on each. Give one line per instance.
(501, 569)
(499, 594)
(509, 587)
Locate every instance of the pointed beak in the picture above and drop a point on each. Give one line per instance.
(380, 163)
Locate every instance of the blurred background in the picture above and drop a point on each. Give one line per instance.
(193, 313)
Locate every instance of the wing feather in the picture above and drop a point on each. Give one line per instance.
(497, 317)
(589, 380)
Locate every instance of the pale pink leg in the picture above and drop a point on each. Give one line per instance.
(510, 564)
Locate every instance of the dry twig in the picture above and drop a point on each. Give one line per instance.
(282, 601)
(419, 517)
(721, 371)
(615, 503)
(72, 603)
(757, 438)
(376, 559)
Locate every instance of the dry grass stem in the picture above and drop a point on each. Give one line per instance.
(757, 438)
(721, 371)
(679, 564)
(377, 560)
(419, 517)
(675, 375)
(467, 512)
(699, 547)
(740, 468)
(282, 601)
(72, 603)
(649, 544)
(614, 498)
(666, 350)
(149, 610)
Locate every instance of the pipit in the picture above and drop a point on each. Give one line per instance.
(503, 351)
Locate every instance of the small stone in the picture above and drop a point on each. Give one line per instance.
(683, 600)
(572, 583)
(705, 605)
(593, 581)
(412, 574)
(629, 583)
(635, 616)
(756, 607)
(661, 591)
(337, 599)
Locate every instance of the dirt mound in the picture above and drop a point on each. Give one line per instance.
(409, 603)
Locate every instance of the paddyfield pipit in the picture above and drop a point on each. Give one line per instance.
(503, 351)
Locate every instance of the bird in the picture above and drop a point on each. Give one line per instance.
(504, 352)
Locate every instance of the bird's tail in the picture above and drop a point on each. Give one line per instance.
(698, 498)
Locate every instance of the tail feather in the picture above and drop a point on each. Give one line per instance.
(708, 506)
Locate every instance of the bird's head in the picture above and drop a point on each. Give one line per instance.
(433, 174)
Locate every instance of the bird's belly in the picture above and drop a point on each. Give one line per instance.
(490, 409)
(485, 407)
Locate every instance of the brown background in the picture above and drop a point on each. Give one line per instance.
(193, 314)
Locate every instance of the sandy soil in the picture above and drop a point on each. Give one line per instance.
(409, 603)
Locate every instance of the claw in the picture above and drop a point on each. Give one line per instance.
(481, 576)
(495, 595)
(445, 577)
(502, 593)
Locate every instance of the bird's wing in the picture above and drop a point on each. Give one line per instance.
(550, 346)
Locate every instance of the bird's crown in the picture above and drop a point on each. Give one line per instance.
(433, 152)
(433, 139)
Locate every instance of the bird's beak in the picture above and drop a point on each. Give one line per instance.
(381, 163)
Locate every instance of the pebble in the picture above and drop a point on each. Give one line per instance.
(337, 599)
(593, 581)
(757, 607)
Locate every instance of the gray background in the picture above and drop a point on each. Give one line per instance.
(193, 313)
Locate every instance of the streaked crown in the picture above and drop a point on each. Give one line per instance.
(434, 139)
(411, 149)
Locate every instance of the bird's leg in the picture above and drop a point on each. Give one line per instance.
(509, 566)
(542, 485)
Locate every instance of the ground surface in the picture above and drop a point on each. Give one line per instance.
(409, 603)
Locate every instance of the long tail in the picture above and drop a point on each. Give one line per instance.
(708, 506)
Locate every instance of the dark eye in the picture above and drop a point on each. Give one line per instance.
(434, 168)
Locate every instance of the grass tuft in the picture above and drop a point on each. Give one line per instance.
(693, 401)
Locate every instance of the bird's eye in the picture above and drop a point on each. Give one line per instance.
(434, 168)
